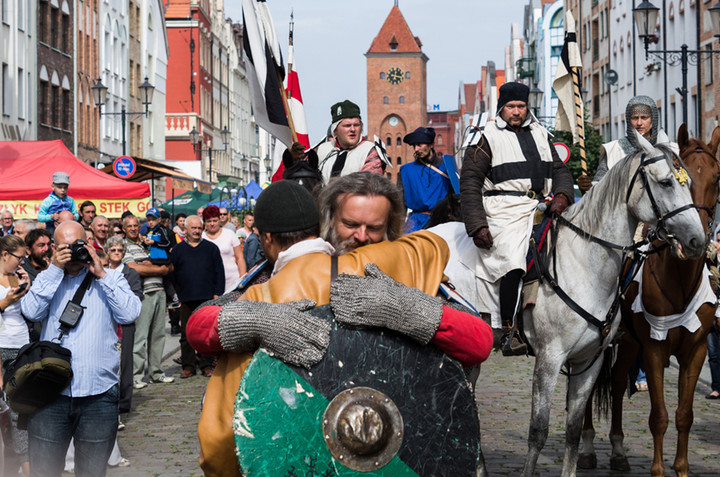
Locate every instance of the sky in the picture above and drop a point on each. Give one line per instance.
(331, 38)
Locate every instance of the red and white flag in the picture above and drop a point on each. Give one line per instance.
(296, 107)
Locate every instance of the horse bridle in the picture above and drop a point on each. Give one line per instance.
(661, 219)
(605, 326)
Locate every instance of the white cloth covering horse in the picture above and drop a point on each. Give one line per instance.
(644, 187)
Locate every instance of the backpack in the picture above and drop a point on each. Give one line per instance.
(37, 376)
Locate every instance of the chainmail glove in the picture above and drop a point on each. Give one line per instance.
(378, 300)
(281, 328)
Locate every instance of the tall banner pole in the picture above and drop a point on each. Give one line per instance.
(579, 116)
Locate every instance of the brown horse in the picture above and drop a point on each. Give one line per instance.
(668, 285)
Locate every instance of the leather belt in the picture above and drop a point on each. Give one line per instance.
(530, 193)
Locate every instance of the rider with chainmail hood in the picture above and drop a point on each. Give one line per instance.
(641, 115)
(513, 168)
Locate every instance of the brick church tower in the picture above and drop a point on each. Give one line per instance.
(396, 88)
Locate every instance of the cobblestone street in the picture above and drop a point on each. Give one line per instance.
(161, 440)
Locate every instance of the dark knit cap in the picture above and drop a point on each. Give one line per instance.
(285, 206)
(512, 91)
(344, 110)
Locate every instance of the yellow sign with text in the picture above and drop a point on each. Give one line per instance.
(110, 208)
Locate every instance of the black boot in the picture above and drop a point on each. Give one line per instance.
(510, 342)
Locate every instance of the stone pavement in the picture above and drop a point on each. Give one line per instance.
(504, 401)
(161, 439)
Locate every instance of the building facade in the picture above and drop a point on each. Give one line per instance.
(86, 72)
(55, 85)
(396, 88)
(18, 73)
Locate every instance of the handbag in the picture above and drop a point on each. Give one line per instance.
(42, 369)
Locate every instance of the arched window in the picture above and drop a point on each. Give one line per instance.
(385, 100)
(440, 139)
(399, 160)
(399, 141)
(388, 141)
(382, 75)
(402, 99)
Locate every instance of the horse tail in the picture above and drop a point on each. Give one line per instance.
(603, 385)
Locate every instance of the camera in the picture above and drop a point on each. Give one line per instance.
(79, 252)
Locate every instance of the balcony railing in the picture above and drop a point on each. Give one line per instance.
(179, 125)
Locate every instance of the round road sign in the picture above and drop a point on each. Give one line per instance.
(124, 167)
(563, 151)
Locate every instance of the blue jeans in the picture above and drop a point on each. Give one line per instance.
(91, 420)
(714, 360)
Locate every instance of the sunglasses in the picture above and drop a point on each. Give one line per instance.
(116, 250)
(222, 213)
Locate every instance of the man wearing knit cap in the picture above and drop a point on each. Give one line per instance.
(270, 315)
(350, 152)
(504, 178)
(424, 181)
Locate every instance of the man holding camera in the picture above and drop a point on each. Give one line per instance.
(88, 409)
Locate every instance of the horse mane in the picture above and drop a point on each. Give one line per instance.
(612, 188)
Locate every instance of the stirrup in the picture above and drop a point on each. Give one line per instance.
(511, 344)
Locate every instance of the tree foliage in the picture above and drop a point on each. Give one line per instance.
(593, 143)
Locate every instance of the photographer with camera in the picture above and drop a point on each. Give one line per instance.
(87, 410)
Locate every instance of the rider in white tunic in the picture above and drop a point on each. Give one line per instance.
(503, 178)
(349, 152)
(641, 115)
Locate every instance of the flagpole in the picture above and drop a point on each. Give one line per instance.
(291, 124)
(579, 116)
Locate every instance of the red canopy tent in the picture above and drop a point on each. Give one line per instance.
(26, 169)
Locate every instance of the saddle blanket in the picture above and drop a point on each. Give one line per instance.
(659, 325)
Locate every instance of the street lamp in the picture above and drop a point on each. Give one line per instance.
(99, 91)
(195, 141)
(535, 98)
(645, 16)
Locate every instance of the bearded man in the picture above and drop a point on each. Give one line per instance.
(503, 179)
(424, 181)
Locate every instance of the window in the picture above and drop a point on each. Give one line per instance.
(67, 110)
(398, 141)
(54, 27)
(44, 102)
(388, 141)
(385, 100)
(5, 11)
(42, 21)
(407, 75)
(56, 106)
(20, 15)
(5, 89)
(708, 66)
(399, 160)
(65, 36)
(21, 93)
(382, 75)
(402, 99)
(439, 139)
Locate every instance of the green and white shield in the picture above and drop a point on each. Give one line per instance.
(376, 403)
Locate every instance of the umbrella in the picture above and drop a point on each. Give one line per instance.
(188, 202)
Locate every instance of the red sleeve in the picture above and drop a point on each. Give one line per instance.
(464, 337)
(202, 330)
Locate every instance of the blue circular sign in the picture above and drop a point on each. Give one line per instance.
(124, 167)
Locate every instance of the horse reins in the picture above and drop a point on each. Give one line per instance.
(605, 326)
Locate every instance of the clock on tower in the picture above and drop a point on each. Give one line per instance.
(395, 75)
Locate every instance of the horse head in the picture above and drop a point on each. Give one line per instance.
(305, 172)
(704, 168)
(659, 195)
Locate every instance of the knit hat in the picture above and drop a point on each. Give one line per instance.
(285, 206)
(512, 91)
(343, 110)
